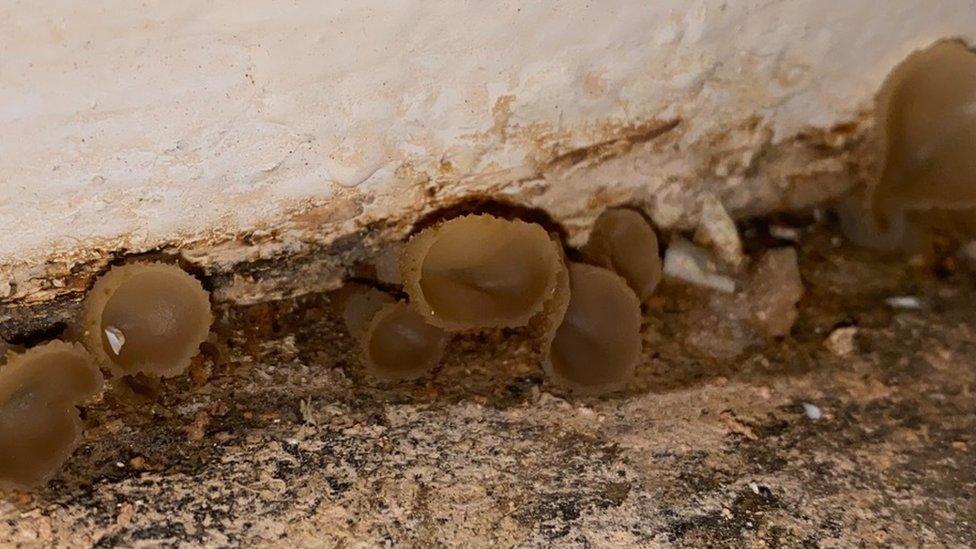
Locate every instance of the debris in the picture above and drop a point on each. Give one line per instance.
(783, 232)
(307, 412)
(196, 430)
(689, 263)
(812, 411)
(841, 341)
(775, 288)
(116, 339)
(736, 426)
(908, 302)
(138, 463)
(717, 230)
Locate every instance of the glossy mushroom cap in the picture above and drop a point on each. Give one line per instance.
(399, 344)
(480, 271)
(927, 125)
(358, 304)
(146, 318)
(396, 343)
(39, 424)
(597, 345)
(624, 242)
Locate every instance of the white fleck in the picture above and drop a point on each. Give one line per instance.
(116, 339)
(685, 261)
(783, 232)
(904, 302)
(812, 411)
(754, 487)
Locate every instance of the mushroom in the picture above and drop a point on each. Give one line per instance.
(597, 345)
(396, 343)
(146, 318)
(479, 271)
(927, 132)
(624, 242)
(39, 424)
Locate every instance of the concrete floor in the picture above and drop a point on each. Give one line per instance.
(277, 439)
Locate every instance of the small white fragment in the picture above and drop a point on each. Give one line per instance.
(116, 339)
(754, 487)
(841, 341)
(783, 232)
(689, 263)
(909, 302)
(717, 230)
(812, 411)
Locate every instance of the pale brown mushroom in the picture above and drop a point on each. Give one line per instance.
(624, 242)
(396, 343)
(479, 271)
(39, 424)
(597, 345)
(146, 318)
(927, 131)
(358, 304)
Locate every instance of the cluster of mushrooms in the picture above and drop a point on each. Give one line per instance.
(481, 272)
(139, 318)
(467, 274)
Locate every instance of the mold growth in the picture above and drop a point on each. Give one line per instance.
(598, 343)
(624, 242)
(479, 272)
(39, 424)
(396, 343)
(147, 318)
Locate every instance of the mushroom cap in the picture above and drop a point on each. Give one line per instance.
(624, 242)
(598, 344)
(146, 318)
(399, 344)
(39, 424)
(927, 132)
(479, 271)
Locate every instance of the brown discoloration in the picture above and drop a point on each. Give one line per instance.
(628, 137)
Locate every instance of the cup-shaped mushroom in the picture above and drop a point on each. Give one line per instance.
(598, 344)
(624, 242)
(147, 318)
(39, 424)
(398, 344)
(479, 272)
(358, 304)
(927, 125)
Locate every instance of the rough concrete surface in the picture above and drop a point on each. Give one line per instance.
(856, 430)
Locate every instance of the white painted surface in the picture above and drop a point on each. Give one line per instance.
(141, 123)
